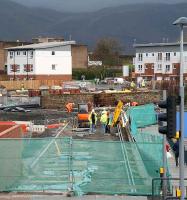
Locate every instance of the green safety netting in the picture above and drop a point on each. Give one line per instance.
(86, 166)
(142, 115)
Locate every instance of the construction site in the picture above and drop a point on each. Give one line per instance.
(57, 158)
(50, 152)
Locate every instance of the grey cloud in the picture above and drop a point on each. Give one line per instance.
(85, 5)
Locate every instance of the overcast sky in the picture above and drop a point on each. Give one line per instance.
(86, 5)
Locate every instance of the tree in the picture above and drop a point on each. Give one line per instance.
(108, 50)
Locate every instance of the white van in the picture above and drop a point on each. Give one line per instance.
(118, 80)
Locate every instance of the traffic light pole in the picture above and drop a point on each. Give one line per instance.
(181, 141)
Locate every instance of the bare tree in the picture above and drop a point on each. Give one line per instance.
(108, 50)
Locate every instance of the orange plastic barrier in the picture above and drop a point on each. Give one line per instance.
(7, 123)
(50, 126)
(23, 126)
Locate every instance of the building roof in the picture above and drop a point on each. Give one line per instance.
(43, 45)
(158, 44)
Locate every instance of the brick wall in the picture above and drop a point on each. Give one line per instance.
(59, 101)
(3, 52)
(79, 56)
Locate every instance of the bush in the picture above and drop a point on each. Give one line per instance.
(95, 72)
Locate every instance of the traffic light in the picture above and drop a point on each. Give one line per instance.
(169, 117)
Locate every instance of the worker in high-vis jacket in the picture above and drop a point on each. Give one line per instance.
(133, 85)
(93, 121)
(103, 120)
(143, 83)
(69, 107)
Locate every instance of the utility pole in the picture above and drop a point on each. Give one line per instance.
(27, 68)
(181, 22)
(14, 66)
(164, 156)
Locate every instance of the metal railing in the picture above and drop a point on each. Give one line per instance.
(168, 189)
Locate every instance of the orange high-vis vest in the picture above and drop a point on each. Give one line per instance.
(69, 107)
(134, 103)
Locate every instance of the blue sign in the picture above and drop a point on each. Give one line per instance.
(185, 123)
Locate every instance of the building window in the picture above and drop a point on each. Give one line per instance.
(28, 68)
(167, 56)
(31, 68)
(167, 78)
(18, 53)
(146, 54)
(159, 67)
(140, 57)
(175, 54)
(11, 54)
(167, 68)
(159, 56)
(18, 68)
(152, 54)
(53, 67)
(140, 67)
(53, 53)
(5, 68)
(185, 58)
(15, 68)
(24, 53)
(31, 54)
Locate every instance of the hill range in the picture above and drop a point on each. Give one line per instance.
(127, 23)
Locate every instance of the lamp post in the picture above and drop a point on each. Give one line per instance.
(27, 65)
(14, 66)
(181, 22)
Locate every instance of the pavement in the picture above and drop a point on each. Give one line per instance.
(61, 197)
(173, 170)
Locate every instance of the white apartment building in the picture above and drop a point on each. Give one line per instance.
(50, 60)
(159, 61)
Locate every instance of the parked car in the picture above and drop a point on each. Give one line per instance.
(19, 109)
(118, 80)
(107, 81)
(8, 109)
(126, 84)
(16, 109)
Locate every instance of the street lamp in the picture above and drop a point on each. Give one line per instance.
(182, 21)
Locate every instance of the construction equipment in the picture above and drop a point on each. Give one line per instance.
(117, 112)
(83, 115)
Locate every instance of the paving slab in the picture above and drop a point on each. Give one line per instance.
(61, 197)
